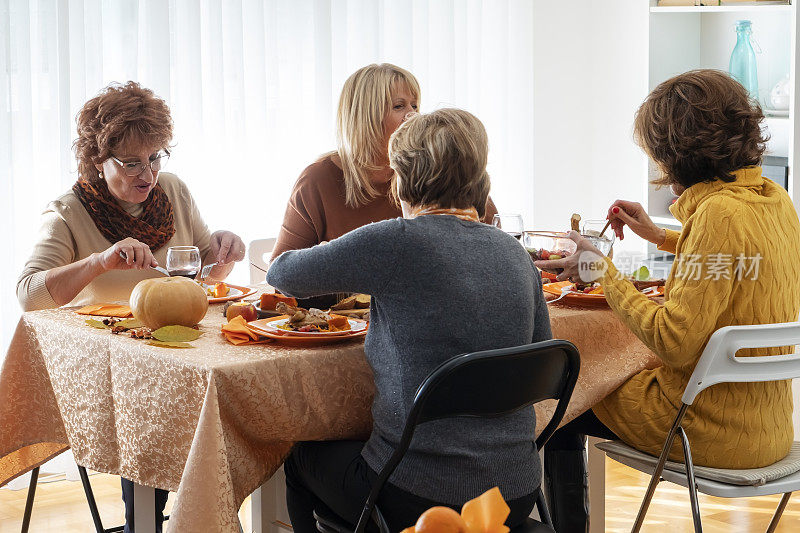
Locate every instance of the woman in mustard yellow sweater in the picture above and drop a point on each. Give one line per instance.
(737, 262)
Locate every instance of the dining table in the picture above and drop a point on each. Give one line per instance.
(214, 422)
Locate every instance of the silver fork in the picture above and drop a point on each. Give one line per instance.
(564, 291)
(205, 271)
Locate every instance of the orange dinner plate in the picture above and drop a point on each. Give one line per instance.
(310, 338)
(578, 297)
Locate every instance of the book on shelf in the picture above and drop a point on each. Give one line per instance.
(667, 3)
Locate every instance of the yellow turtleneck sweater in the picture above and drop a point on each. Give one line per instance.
(736, 425)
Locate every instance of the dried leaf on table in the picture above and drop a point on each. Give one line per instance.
(130, 323)
(176, 334)
(96, 324)
(175, 344)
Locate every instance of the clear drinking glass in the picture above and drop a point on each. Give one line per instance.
(511, 224)
(590, 229)
(183, 261)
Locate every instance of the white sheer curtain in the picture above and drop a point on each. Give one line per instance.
(253, 86)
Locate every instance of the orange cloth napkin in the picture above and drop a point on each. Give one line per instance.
(485, 514)
(115, 310)
(236, 332)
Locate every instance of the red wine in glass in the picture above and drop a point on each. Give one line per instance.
(183, 261)
(183, 272)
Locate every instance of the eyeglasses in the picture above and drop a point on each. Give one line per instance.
(135, 168)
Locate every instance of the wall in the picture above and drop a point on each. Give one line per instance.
(590, 75)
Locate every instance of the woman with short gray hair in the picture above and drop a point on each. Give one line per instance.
(428, 274)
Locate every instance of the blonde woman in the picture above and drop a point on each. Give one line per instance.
(440, 253)
(349, 188)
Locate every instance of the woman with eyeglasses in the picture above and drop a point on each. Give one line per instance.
(349, 187)
(99, 239)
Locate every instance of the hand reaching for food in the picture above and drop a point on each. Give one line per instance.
(623, 213)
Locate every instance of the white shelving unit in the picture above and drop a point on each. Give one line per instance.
(687, 38)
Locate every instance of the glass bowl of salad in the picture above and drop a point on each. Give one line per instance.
(548, 245)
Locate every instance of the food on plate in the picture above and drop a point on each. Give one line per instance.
(356, 301)
(218, 290)
(310, 320)
(270, 301)
(338, 323)
(244, 309)
(642, 285)
(588, 288)
(641, 279)
(169, 301)
(595, 288)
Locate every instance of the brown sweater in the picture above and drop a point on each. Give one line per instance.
(317, 212)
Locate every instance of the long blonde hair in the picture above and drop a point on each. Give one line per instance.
(365, 100)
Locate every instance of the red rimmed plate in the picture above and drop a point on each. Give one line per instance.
(582, 298)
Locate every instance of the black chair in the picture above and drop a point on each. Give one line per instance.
(524, 374)
(87, 489)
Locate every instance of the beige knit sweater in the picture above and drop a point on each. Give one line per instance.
(68, 234)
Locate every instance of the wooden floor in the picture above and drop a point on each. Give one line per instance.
(61, 507)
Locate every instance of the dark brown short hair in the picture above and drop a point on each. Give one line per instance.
(700, 126)
(119, 115)
(439, 160)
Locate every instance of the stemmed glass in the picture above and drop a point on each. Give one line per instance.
(511, 224)
(591, 230)
(183, 261)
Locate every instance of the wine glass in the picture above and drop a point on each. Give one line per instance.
(511, 224)
(183, 261)
(590, 229)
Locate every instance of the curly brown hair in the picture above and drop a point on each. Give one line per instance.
(700, 126)
(121, 115)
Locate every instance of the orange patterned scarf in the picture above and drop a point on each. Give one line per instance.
(464, 214)
(154, 227)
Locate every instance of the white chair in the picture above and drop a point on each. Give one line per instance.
(257, 253)
(719, 364)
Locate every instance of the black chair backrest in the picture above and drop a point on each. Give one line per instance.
(491, 383)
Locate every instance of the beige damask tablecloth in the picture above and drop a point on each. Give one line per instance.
(214, 422)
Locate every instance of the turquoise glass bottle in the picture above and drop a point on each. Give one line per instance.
(743, 59)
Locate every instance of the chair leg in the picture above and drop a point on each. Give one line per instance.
(87, 488)
(778, 512)
(662, 460)
(26, 518)
(544, 511)
(690, 479)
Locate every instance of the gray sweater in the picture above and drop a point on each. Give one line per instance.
(440, 287)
